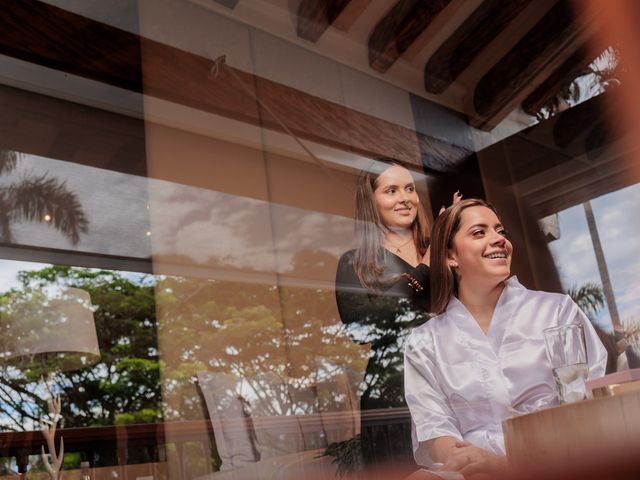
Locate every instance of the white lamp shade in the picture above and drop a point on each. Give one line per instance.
(55, 331)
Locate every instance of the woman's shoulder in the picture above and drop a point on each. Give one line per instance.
(346, 274)
(424, 334)
(542, 296)
(347, 258)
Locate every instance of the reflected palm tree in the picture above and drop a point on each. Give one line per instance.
(38, 198)
(589, 297)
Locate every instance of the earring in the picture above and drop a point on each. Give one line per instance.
(454, 265)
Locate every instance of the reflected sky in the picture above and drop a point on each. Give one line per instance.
(618, 223)
(139, 217)
(114, 203)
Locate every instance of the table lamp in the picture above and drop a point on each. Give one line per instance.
(52, 330)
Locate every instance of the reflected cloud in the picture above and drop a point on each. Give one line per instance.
(215, 228)
(618, 227)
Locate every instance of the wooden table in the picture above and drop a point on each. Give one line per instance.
(593, 439)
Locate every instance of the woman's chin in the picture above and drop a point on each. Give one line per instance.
(403, 223)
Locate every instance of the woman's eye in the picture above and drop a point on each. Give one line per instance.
(411, 189)
(477, 233)
(391, 191)
(503, 232)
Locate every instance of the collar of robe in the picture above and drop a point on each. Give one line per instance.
(505, 308)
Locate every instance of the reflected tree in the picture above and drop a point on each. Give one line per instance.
(601, 75)
(247, 330)
(38, 198)
(123, 387)
(242, 329)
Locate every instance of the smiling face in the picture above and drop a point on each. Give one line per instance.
(481, 252)
(395, 197)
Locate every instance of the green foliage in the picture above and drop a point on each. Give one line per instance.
(146, 415)
(71, 461)
(127, 377)
(245, 330)
(242, 329)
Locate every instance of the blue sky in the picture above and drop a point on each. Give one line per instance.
(618, 224)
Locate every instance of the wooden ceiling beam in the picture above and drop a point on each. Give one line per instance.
(545, 47)
(613, 174)
(41, 125)
(350, 14)
(473, 36)
(572, 125)
(399, 28)
(574, 67)
(55, 38)
(315, 16)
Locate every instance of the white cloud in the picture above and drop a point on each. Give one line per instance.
(618, 227)
(203, 224)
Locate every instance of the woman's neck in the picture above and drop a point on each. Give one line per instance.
(399, 233)
(399, 241)
(480, 300)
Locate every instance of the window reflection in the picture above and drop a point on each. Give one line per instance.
(89, 208)
(615, 221)
(213, 232)
(122, 387)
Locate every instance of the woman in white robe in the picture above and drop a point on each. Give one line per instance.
(483, 358)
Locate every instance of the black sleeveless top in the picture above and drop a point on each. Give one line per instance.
(383, 318)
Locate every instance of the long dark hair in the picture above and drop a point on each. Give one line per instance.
(444, 283)
(368, 262)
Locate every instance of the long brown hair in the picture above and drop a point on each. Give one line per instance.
(444, 283)
(368, 262)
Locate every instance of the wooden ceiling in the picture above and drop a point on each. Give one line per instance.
(55, 38)
(516, 52)
(482, 58)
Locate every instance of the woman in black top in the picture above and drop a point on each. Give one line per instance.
(382, 291)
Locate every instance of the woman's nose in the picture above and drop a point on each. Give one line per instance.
(497, 239)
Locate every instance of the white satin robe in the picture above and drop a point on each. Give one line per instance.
(462, 383)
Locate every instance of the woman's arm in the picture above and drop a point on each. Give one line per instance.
(457, 196)
(464, 457)
(440, 448)
(435, 423)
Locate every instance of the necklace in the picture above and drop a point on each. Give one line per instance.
(398, 247)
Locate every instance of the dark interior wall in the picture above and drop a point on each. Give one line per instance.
(449, 164)
(532, 262)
